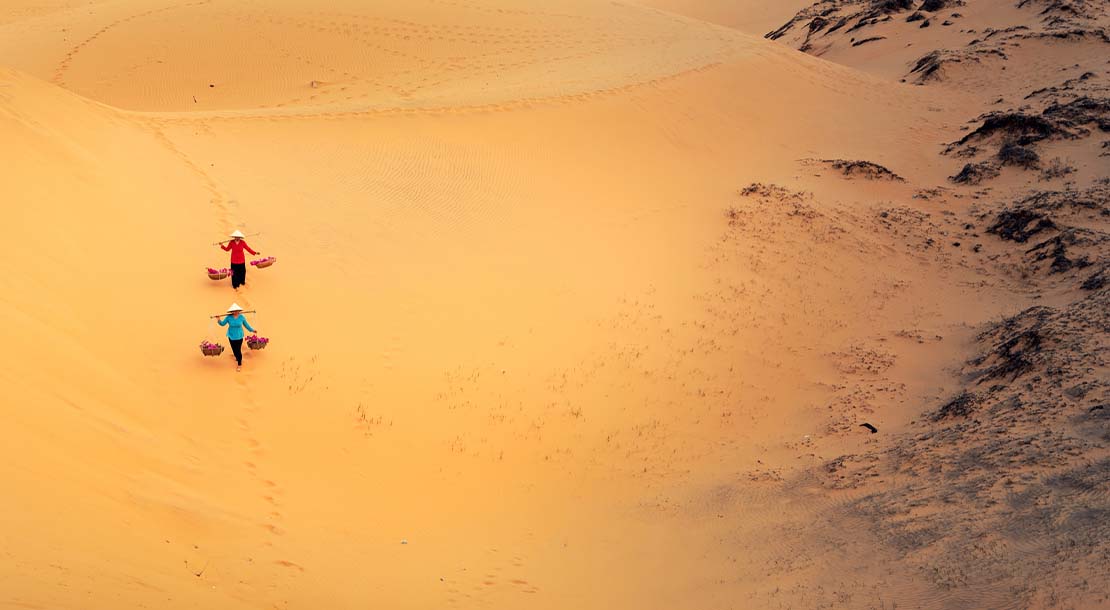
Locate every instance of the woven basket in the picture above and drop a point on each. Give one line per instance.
(265, 264)
(257, 344)
(212, 351)
(217, 276)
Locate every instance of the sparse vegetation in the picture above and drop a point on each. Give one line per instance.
(1056, 168)
(863, 169)
(960, 406)
(976, 173)
(1019, 156)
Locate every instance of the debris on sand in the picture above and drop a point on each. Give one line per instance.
(791, 203)
(762, 205)
(773, 191)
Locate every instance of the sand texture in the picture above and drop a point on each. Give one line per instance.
(651, 304)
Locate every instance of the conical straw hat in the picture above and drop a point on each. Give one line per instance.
(237, 233)
(234, 307)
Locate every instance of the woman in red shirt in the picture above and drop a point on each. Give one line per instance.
(238, 260)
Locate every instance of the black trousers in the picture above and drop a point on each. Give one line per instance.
(238, 274)
(237, 349)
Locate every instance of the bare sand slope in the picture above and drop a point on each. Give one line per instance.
(755, 18)
(221, 54)
(566, 337)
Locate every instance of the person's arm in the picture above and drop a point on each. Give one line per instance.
(248, 249)
(248, 325)
(223, 321)
(226, 247)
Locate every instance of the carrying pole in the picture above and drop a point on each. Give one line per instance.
(228, 314)
(220, 243)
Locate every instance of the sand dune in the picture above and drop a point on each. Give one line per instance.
(348, 56)
(748, 17)
(573, 307)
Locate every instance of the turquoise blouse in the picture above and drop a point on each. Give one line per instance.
(235, 326)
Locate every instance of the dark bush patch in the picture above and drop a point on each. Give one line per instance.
(960, 406)
(1020, 225)
(891, 6)
(929, 64)
(1056, 169)
(863, 169)
(1016, 127)
(1056, 250)
(1097, 281)
(935, 5)
(1020, 156)
(975, 173)
(1014, 356)
(867, 40)
(1082, 111)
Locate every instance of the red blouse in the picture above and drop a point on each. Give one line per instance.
(236, 247)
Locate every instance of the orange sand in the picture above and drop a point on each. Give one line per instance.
(519, 358)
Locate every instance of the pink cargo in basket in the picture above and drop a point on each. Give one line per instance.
(211, 349)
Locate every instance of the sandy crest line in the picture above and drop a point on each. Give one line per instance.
(834, 78)
(180, 118)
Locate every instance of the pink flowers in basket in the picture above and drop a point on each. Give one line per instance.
(264, 262)
(211, 349)
(218, 274)
(256, 342)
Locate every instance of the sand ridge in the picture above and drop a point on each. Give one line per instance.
(601, 333)
(402, 55)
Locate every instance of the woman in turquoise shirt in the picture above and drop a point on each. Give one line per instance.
(235, 321)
